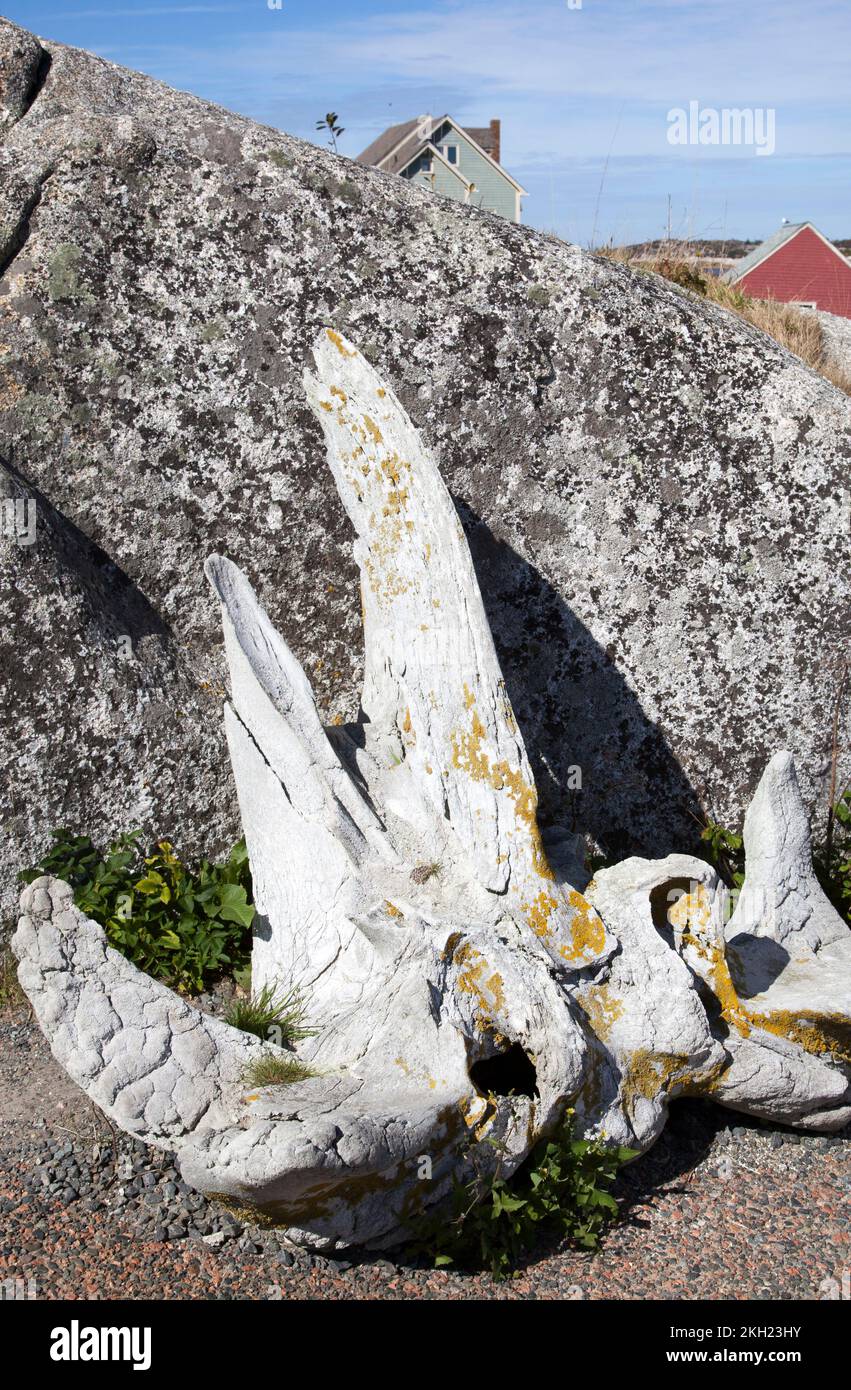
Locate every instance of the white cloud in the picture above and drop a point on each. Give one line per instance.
(557, 77)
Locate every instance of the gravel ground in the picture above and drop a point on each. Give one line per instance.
(720, 1208)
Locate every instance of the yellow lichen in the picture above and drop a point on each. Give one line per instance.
(587, 933)
(339, 344)
(373, 429)
(539, 911)
(815, 1033)
(602, 1008)
(648, 1074)
(476, 978)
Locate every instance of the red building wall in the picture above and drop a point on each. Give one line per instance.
(806, 269)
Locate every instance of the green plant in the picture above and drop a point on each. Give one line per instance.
(725, 851)
(270, 1015)
(183, 927)
(329, 125)
(561, 1190)
(276, 1071)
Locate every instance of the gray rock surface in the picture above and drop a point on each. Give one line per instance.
(837, 339)
(653, 491)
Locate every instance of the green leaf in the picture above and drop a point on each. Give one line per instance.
(148, 904)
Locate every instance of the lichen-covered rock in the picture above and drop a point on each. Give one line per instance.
(836, 336)
(22, 63)
(654, 493)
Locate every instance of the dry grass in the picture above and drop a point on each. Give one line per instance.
(795, 329)
(276, 1071)
(11, 994)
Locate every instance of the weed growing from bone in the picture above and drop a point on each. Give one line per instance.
(562, 1192)
(276, 1071)
(274, 1015)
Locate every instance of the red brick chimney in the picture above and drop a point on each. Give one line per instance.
(495, 139)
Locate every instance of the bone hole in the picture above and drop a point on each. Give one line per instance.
(509, 1073)
(662, 899)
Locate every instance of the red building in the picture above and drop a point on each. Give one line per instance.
(796, 266)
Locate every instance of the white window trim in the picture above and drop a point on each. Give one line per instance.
(435, 153)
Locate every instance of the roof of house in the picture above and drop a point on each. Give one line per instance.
(485, 137)
(395, 149)
(768, 247)
(380, 148)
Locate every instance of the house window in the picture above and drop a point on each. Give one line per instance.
(450, 153)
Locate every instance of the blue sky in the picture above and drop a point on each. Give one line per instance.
(583, 93)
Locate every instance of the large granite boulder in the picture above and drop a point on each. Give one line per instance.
(654, 493)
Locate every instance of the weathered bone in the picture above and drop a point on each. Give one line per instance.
(462, 990)
(433, 692)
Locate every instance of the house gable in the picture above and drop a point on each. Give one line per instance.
(431, 168)
(495, 190)
(800, 267)
(445, 157)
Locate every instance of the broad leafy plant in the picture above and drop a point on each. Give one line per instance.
(561, 1191)
(184, 927)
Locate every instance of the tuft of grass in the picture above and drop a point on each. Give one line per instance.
(423, 872)
(277, 1071)
(271, 1015)
(799, 330)
(11, 994)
